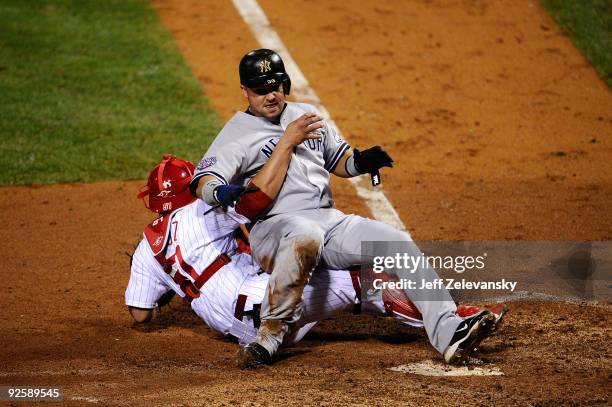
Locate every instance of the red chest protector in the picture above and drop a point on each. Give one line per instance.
(156, 234)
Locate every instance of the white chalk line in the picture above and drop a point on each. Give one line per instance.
(256, 19)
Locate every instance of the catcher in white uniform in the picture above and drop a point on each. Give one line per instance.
(301, 229)
(201, 254)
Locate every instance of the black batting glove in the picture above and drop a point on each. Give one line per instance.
(372, 159)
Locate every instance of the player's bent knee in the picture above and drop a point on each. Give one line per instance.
(310, 235)
(308, 252)
(141, 315)
(316, 237)
(310, 231)
(311, 242)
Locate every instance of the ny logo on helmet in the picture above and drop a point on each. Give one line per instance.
(264, 66)
(167, 184)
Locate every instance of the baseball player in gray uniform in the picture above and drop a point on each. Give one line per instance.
(301, 228)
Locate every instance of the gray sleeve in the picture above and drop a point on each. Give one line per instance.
(334, 147)
(224, 161)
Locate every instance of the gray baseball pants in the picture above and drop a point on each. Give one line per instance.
(290, 245)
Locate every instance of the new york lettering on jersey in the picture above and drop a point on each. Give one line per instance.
(232, 158)
(270, 145)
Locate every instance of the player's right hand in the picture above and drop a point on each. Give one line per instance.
(228, 195)
(303, 128)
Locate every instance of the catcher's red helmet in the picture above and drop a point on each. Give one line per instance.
(168, 185)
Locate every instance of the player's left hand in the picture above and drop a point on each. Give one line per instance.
(370, 160)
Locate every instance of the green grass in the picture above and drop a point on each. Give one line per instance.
(589, 24)
(93, 90)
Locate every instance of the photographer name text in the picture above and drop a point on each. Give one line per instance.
(448, 283)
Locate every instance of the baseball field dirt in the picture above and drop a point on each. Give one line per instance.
(500, 130)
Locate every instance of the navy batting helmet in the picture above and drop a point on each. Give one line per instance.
(263, 67)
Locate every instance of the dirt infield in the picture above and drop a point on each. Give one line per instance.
(500, 130)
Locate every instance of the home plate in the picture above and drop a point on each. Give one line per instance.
(430, 368)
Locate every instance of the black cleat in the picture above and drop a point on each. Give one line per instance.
(254, 355)
(470, 332)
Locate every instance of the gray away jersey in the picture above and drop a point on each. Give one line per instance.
(246, 142)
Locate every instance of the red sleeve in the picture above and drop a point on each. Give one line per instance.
(253, 204)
